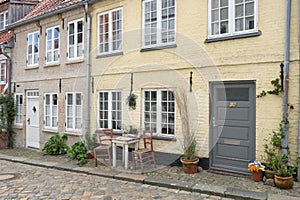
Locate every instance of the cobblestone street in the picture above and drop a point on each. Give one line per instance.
(31, 182)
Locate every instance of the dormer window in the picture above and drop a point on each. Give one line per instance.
(3, 20)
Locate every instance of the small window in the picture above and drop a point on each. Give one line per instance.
(52, 45)
(2, 72)
(19, 109)
(232, 17)
(3, 20)
(159, 20)
(110, 31)
(75, 39)
(50, 111)
(110, 109)
(32, 49)
(74, 111)
(159, 111)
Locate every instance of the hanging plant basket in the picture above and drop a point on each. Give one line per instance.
(131, 101)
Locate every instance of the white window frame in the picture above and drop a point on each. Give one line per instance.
(110, 108)
(231, 21)
(33, 54)
(110, 32)
(159, 112)
(76, 44)
(5, 19)
(3, 64)
(73, 112)
(159, 29)
(53, 111)
(19, 109)
(52, 49)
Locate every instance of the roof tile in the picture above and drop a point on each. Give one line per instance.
(5, 36)
(47, 6)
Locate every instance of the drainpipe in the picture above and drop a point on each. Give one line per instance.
(88, 64)
(284, 123)
(3, 47)
(299, 95)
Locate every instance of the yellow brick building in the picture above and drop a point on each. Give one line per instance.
(224, 44)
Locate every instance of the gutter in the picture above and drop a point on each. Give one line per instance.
(284, 123)
(88, 67)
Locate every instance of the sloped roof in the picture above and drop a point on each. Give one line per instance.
(3, 1)
(5, 36)
(47, 6)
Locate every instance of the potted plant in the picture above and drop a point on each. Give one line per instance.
(283, 173)
(130, 131)
(91, 141)
(189, 159)
(271, 150)
(256, 168)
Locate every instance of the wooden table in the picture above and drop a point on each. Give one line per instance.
(124, 141)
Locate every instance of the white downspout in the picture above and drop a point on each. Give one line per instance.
(88, 64)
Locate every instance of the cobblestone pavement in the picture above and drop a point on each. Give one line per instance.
(32, 182)
(170, 174)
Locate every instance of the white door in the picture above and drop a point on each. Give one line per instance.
(32, 119)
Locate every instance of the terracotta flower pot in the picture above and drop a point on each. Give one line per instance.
(190, 166)
(284, 182)
(257, 176)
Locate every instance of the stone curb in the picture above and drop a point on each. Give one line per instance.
(179, 185)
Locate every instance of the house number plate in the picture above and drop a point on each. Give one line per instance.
(232, 104)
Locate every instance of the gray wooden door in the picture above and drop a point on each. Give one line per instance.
(232, 125)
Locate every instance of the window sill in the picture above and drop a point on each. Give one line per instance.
(69, 62)
(50, 131)
(167, 138)
(51, 65)
(158, 47)
(31, 67)
(18, 126)
(109, 54)
(73, 134)
(246, 35)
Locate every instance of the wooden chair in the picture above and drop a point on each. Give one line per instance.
(105, 145)
(144, 155)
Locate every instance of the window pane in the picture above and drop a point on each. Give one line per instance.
(249, 9)
(249, 23)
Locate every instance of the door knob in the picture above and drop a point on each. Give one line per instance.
(28, 121)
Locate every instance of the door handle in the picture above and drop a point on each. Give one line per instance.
(28, 121)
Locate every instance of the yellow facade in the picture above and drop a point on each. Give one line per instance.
(252, 58)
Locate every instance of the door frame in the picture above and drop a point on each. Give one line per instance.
(252, 146)
(36, 96)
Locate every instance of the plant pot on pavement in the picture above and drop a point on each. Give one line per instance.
(284, 182)
(257, 176)
(3, 139)
(190, 166)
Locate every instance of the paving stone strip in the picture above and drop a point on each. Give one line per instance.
(168, 177)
